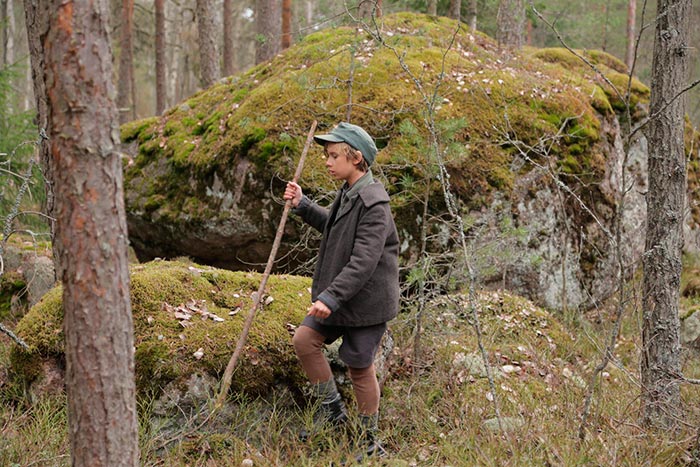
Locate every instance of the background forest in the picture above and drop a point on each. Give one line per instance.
(475, 373)
(599, 24)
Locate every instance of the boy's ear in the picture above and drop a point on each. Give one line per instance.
(358, 161)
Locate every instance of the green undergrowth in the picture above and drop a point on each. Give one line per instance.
(545, 102)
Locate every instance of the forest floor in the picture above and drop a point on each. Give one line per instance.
(437, 408)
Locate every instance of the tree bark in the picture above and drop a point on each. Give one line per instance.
(267, 27)
(206, 30)
(126, 65)
(228, 38)
(309, 12)
(286, 24)
(37, 25)
(455, 9)
(606, 21)
(161, 80)
(471, 14)
(511, 23)
(631, 20)
(367, 8)
(432, 7)
(7, 21)
(91, 236)
(660, 359)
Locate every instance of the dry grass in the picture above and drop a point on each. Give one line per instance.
(433, 414)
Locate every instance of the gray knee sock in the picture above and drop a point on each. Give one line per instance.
(326, 391)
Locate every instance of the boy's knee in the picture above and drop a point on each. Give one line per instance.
(306, 340)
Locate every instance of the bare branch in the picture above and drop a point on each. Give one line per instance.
(581, 57)
(14, 337)
(430, 100)
(666, 105)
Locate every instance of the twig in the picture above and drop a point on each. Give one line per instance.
(666, 105)
(14, 337)
(581, 57)
(228, 373)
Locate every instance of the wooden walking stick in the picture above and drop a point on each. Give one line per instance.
(228, 374)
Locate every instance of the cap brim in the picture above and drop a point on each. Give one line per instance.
(322, 139)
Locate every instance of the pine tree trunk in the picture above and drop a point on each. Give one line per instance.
(660, 359)
(7, 24)
(228, 38)
(471, 15)
(91, 236)
(604, 31)
(206, 29)
(126, 64)
(161, 80)
(267, 27)
(309, 13)
(631, 20)
(36, 22)
(286, 24)
(432, 7)
(511, 23)
(455, 9)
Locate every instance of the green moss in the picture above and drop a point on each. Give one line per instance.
(610, 61)
(263, 115)
(133, 130)
(165, 348)
(12, 286)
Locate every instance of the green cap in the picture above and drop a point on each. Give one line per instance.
(354, 136)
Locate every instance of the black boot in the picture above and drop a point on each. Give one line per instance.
(369, 444)
(328, 413)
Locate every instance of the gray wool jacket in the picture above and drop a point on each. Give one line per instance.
(357, 270)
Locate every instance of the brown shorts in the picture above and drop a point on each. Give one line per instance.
(359, 343)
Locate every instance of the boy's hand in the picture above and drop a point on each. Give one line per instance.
(319, 309)
(293, 192)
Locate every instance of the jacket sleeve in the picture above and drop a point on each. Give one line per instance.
(312, 213)
(367, 250)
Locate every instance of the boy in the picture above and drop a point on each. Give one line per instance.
(355, 288)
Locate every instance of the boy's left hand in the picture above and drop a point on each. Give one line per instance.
(319, 309)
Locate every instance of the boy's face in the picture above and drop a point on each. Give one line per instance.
(339, 165)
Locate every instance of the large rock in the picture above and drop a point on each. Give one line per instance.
(28, 273)
(532, 147)
(187, 319)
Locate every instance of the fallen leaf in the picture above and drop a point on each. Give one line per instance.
(182, 315)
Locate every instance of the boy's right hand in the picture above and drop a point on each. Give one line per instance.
(294, 193)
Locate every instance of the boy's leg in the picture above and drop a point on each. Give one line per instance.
(366, 386)
(308, 344)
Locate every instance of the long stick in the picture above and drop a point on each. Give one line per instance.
(228, 374)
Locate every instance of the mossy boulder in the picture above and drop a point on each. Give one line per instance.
(170, 346)
(28, 273)
(532, 147)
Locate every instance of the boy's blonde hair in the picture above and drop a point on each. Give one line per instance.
(351, 154)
